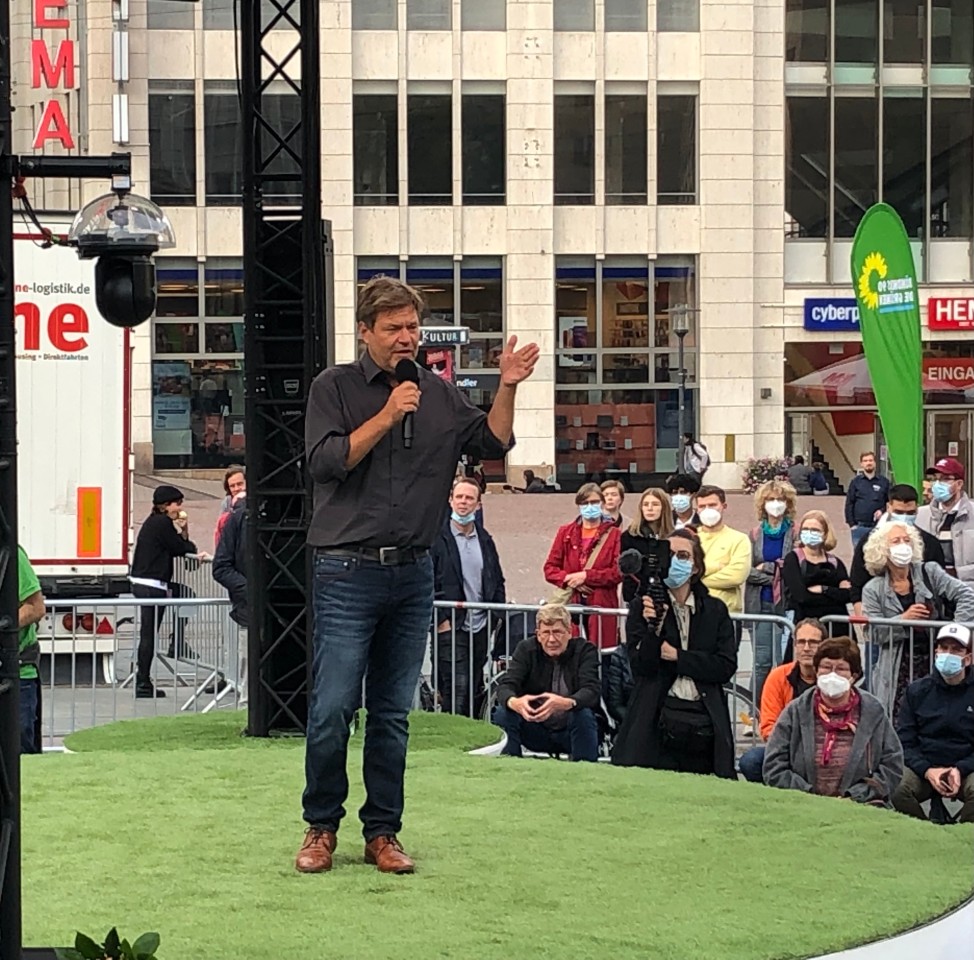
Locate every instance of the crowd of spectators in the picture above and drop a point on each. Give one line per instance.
(652, 693)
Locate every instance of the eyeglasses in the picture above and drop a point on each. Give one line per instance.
(683, 554)
(552, 634)
(804, 642)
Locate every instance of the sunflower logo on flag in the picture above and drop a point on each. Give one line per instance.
(874, 263)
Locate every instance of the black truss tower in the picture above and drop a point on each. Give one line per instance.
(287, 302)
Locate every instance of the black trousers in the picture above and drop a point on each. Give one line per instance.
(150, 620)
(460, 671)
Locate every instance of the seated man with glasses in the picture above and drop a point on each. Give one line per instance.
(546, 699)
(784, 684)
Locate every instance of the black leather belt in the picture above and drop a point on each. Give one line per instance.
(387, 556)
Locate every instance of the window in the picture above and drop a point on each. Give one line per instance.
(676, 148)
(484, 148)
(219, 15)
(904, 31)
(625, 149)
(482, 310)
(574, 15)
(428, 14)
(222, 146)
(807, 31)
(905, 158)
(856, 28)
(617, 366)
(197, 368)
(856, 164)
(172, 143)
(483, 15)
(952, 32)
(374, 15)
(951, 163)
(433, 278)
(171, 15)
(375, 149)
(678, 16)
(807, 166)
(430, 139)
(224, 151)
(625, 15)
(574, 148)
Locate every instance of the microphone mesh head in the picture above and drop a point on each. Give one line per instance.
(407, 371)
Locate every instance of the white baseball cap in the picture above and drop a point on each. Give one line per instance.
(956, 631)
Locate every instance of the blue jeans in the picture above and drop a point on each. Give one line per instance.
(580, 739)
(765, 637)
(860, 533)
(372, 622)
(29, 701)
(751, 764)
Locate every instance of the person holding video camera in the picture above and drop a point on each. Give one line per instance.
(683, 651)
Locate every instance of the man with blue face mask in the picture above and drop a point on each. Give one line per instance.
(466, 569)
(950, 518)
(902, 507)
(936, 728)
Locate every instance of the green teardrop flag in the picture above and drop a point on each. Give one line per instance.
(885, 282)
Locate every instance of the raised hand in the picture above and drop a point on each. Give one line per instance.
(517, 365)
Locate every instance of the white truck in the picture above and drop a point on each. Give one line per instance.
(74, 452)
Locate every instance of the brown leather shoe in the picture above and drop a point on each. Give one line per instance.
(388, 855)
(315, 853)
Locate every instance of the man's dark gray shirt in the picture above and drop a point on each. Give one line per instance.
(395, 497)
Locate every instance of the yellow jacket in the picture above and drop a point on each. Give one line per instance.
(728, 562)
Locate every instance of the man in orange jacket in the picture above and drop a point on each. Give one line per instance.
(784, 683)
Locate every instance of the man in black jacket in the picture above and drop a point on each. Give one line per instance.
(546, 699)
(230, 571)
(865, 499)
(466, 569)
(936, 728)
(902, 506)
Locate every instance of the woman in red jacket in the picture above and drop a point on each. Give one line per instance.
(594, 584)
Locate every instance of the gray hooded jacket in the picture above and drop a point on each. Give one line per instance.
(879, 601)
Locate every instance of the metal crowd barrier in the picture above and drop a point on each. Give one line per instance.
(464, 666)
(199, 662)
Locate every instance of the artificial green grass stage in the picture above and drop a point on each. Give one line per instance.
(181, 826)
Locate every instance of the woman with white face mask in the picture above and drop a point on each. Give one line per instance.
(835, 740)
(816, 582)
(905, 588)
(771, 541)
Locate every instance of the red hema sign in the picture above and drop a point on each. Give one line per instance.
(950, 314)
(57, 73)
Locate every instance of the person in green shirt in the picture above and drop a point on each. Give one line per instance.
(31, 613)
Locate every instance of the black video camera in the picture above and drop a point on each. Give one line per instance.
(650, 566)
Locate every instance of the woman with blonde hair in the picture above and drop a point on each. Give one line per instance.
(904, 587)
(653, 521)
(776, 502)
(816, 582)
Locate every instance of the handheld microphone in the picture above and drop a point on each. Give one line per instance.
(630, 562)
(407, 372)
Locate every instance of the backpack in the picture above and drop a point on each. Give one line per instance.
(699, 457)
(780, 593)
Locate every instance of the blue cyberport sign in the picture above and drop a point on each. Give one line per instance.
(832, 315)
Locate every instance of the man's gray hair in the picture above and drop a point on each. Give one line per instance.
(552, 613)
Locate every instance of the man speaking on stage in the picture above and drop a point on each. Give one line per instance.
(383, 438)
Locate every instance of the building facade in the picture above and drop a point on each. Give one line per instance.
(582, 173)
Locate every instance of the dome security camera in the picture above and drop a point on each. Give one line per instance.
(122, 231)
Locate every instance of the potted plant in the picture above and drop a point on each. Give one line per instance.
(113, 948)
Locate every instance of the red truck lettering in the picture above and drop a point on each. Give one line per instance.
(67, 324)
